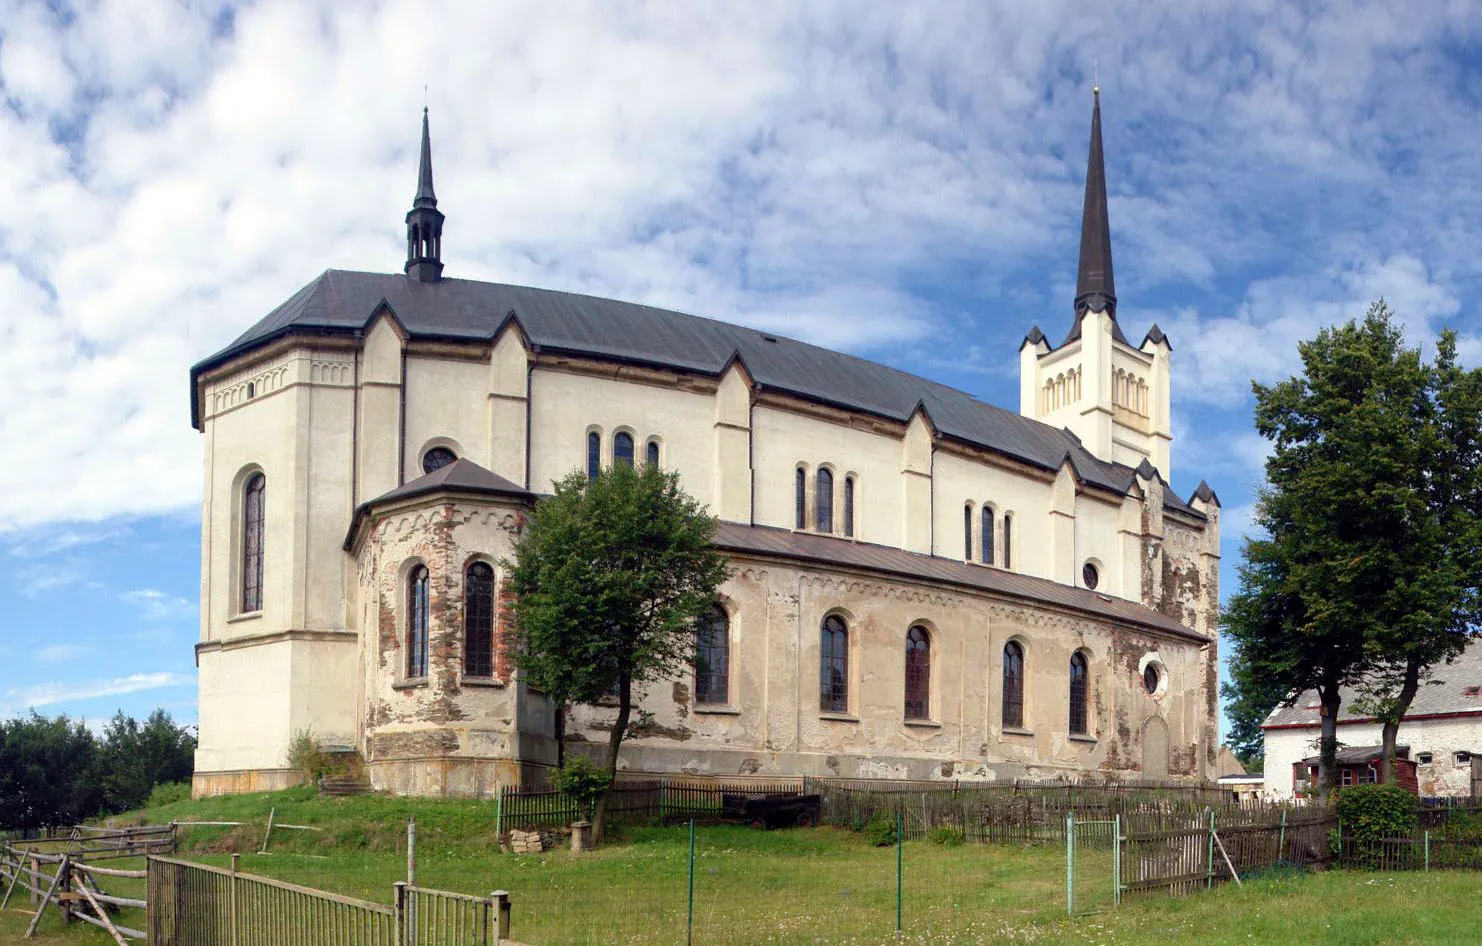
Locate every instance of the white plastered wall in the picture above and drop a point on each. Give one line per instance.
(1442, 737)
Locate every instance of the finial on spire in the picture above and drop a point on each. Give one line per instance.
(424, 220)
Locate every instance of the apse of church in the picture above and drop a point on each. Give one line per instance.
(923, 585)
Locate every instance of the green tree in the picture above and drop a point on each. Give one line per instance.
(1364, 565)
(134, 758)
(48, 772)
(609, 578)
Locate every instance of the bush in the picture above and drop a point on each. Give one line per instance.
(304, 754)
(1373, 812)
(880, 831)
(581, 781)
(946, 836)
(168, 793)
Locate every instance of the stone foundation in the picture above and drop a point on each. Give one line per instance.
(240, 781)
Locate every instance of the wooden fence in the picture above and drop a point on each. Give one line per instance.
(1164, 853)
(1012, 812)
(1430, 850)
(195, 905)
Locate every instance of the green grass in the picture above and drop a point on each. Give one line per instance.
(791, 887)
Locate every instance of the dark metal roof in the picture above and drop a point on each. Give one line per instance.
(425, 195)
(1445, 693)
(1095, 284)
(847, 553)
(1358, 755)
(341, 302)
(461, 476)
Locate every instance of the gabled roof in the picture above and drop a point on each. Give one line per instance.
(341, 302)
(1445, 694)
(1358, 755)
(847, 553)
(461, 476)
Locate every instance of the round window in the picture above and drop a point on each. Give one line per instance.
(1150, 678)
(437, 458)
(1090, 576)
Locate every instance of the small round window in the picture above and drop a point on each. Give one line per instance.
(1150, 678)
(1090, 575)
(437, 458)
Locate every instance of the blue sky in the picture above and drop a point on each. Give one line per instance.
(902, 181)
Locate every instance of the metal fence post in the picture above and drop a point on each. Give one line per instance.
(900, 840)
(502, 908)
(689, 927)
(1117, 860)
(1209, 874)
(1070, 863)
(499, 814)
(1281, 838)
(1427, 850)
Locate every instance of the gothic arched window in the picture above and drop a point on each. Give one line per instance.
(1078, 693)
(1008, 541)
(800, 491)
(594, 455)
(437, 458)
(478, 620)
(254, 496)
(823, 501)
(713, 658)
(1013, 685)
(918, 673)
(988, 535)
(622, 449)
(653, 453)
(833, 666)
(417, 622)
(849, 506)
(967, 531)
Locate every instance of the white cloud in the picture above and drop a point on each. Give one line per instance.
(817, 171)
(156, 605)
(57, 653)
(52, 693)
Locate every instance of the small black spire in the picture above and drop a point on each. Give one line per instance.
(1095, 287)
(425, 221)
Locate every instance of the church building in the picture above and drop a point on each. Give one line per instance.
(922, 585)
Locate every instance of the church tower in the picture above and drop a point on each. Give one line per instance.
(425, 221)
(1110, 394)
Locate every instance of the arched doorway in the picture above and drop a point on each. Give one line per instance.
(1155, 749)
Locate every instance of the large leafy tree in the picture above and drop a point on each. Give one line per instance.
(48, 772)
(609, 577)
(135, 758)
(1363, 571)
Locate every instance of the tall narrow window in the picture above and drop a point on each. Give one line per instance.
(833, 666)
(1078, 693)
(594, 455)
(478, 620)
(622, 449)
(417, 622)
(1008, 541)
(823, 501)
(713, 658)
(1013, 685)
(988, 536)
(967, 532)
(653, 453)
(849, 506)
(254, 495)
(918, 673)
(800, 491)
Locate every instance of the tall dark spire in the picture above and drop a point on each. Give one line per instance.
(1095, 287)
(425, 221)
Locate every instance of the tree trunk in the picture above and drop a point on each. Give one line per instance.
(1327, 752)
(560, 734)
(1391, 731)
(614, 742)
